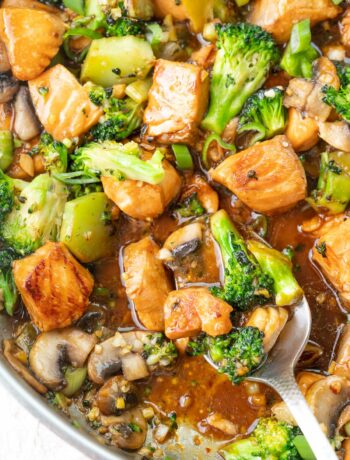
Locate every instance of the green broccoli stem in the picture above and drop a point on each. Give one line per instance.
(8, 291)
(243, 449)
(279, 267)
(225, 233)
(333, 187)
(119, 160)
(231, 100)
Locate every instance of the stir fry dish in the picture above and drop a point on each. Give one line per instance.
(174, 179)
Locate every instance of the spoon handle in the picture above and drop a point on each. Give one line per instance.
(288, 389)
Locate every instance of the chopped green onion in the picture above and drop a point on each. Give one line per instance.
(242, 2)
(74, 178)
(300, 38)
(154, 34)
(183, 156)
(299, 54)
(82, 32)
(75, 5)
(75, 378)
(303, 448)
(6, 149)
(337, 2)
(215, 138)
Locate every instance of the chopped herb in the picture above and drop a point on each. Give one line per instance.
(322, 249)
(334, 167)
(252, 174)
(134, 427)
(43, 90)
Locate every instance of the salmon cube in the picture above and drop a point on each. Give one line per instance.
(32, 38)
(267, 177)
(155, 198)
(54, 287)
(146, 282)
(177, 102)
(279, 16)
(64, 109)
(189, 311)
(332, 253)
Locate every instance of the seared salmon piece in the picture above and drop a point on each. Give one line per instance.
(268, 177)
(177, 102)
(332, 253)
(65, 109)
(155, 198)
(54, 287)
(30, 4)
(32, 38)
(345, 29)
(189, 311)
(146, 282)
(279, 16)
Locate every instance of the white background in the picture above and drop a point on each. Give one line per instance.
(22, 437)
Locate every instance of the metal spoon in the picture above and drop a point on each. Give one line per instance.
(278, 372)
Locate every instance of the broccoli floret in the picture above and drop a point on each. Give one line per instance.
(332, 194)
(159, 351)
(190, 206)
(35, 216)
(8, 290)
(280, 269)
(98, 95)
(123, 26)
(245, 283)
(122, 161)
(121, 116)
(8, 189)
(339, 99)
(271, 440)
(300, 54)
(245, 55)
(236, 354)
(54, 153)
(264, 113)
(7, 195)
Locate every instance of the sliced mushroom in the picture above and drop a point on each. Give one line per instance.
(8, 86)
(305, 381)
(326, 398)
(52, 349)
(122, 352)
(182, 242)
(342, 361)
(344, 422)
(9, 353)
(26, 123)
(128, 430)
(116, 396)
(336, 134)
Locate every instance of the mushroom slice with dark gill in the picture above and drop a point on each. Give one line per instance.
(326, 398)
(122, 352)
(8, 86)
(182, 242)
(10, 351)
(53, 349)
(116, 395)
(26, 123)
(341, 365)
(128, 430)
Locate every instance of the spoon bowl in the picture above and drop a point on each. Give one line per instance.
(278, 372)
